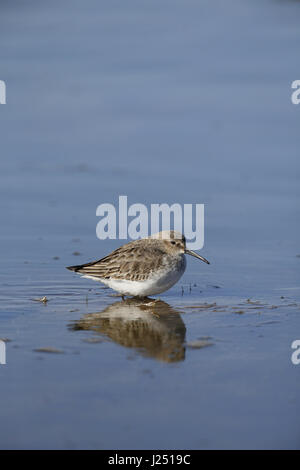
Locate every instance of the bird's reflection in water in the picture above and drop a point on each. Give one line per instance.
(152, 328)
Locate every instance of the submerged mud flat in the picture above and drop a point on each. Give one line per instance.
(155, 329)
(196, 370)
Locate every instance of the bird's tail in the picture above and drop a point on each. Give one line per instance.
(75, 268)
(80, 268)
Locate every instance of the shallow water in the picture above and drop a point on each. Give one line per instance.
(163, 102)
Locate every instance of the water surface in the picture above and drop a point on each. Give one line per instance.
(168, 101)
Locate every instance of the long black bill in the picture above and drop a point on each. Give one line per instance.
(192, 253)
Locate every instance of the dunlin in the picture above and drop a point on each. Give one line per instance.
(143, 267)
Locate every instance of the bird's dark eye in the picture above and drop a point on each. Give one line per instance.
(173, 243)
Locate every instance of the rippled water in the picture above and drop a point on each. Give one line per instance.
(163, 102)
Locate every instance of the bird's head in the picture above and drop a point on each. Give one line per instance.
(175, 243)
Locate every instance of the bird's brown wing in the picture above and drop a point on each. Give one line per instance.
(133, 261)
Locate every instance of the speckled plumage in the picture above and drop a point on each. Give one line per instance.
(141, 267)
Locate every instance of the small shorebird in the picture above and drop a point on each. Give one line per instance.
(143, 267)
